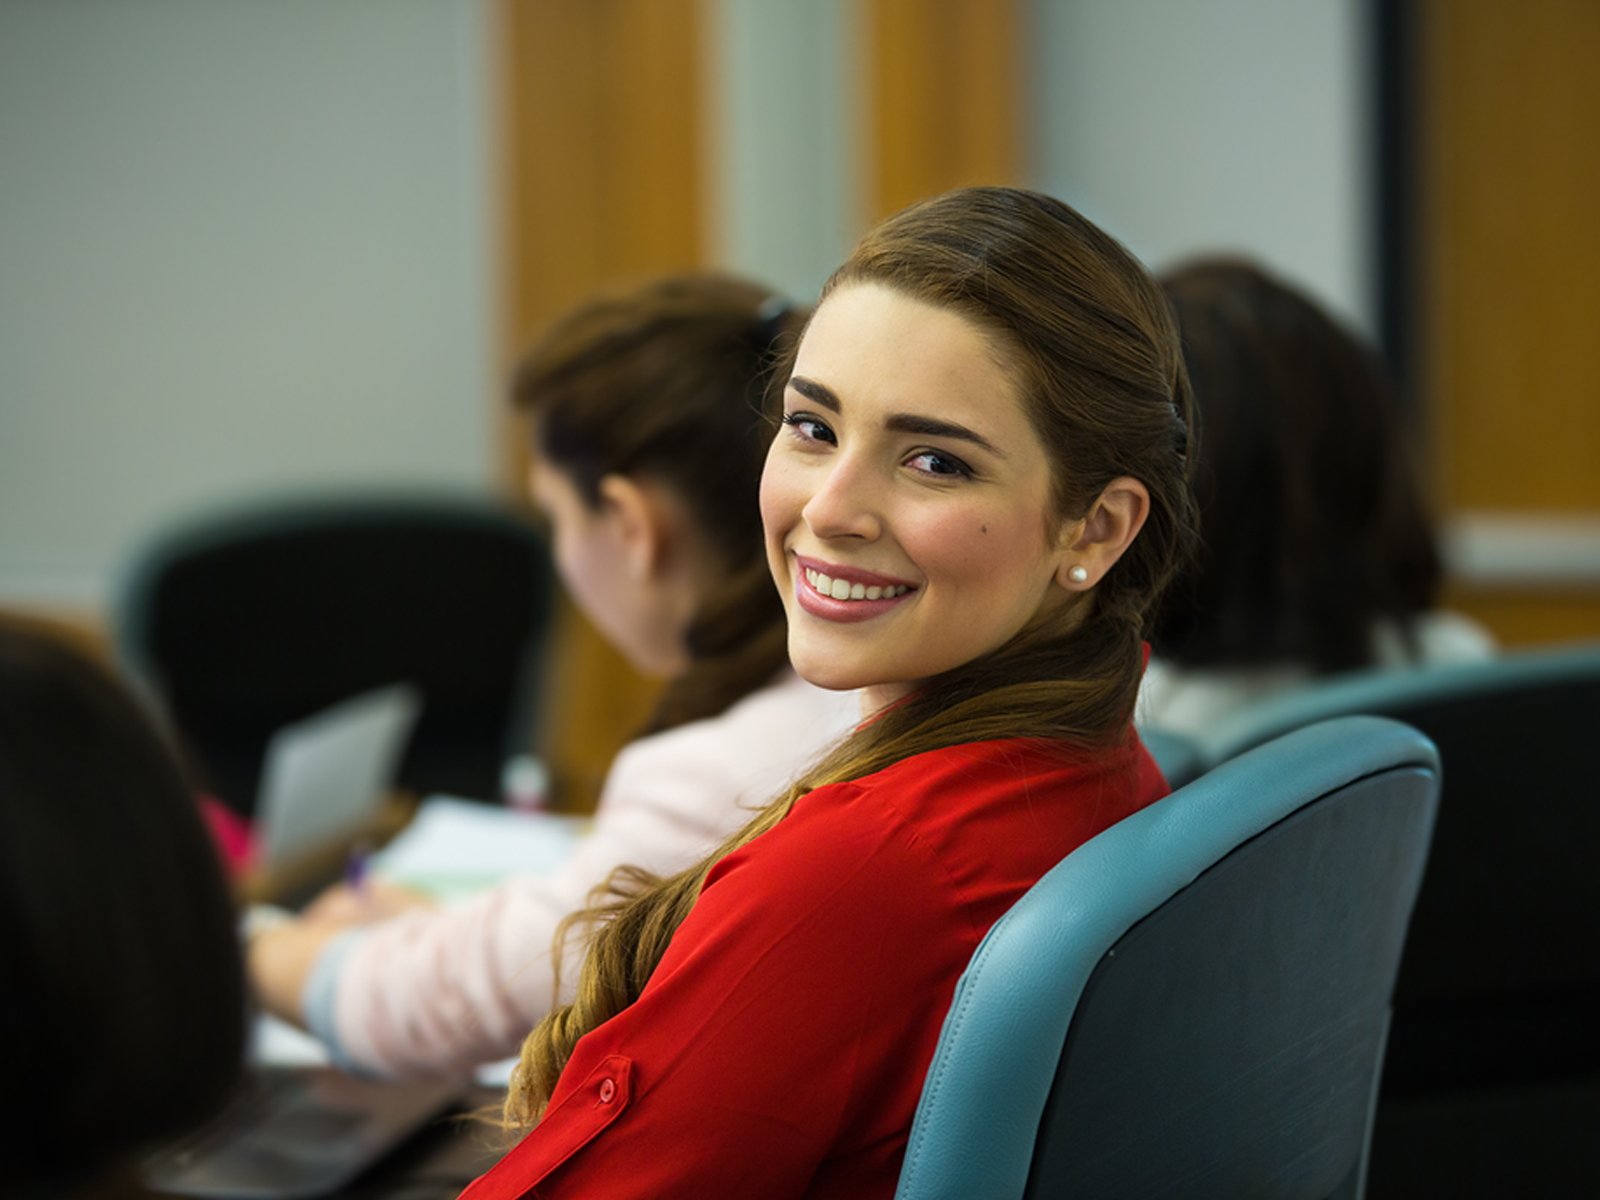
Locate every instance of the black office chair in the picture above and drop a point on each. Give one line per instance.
(245, 621)
(1193, 1003)
(1492, 1086)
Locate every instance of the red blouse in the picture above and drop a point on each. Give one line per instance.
(779, 1049)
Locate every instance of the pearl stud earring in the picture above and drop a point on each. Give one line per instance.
(1078, 575)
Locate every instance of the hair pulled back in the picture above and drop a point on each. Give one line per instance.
(124, 993)
(665, 381)
(1314, 529)
(1086, 333)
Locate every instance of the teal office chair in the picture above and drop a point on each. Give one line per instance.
(1177, 756)
(1492, 1084)
(1193, 1004)
(243, 621)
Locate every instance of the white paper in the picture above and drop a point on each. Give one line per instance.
(276, 1043)
(454, 848)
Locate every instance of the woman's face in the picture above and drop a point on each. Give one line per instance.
(596, 552)
(906, 500)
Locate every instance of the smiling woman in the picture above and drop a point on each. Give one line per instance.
(978, 489)
(908, 468)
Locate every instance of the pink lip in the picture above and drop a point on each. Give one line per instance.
(844, 611)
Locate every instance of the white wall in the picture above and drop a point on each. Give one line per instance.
(784, 110)
(243, 247)
(1190, 126)
(1181, 126)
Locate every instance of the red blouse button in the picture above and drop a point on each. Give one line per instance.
(608, 1091)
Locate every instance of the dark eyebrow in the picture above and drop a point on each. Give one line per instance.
(899, 422)
(906, 423)
(815, 392)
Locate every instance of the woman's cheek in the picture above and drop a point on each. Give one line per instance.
(779, 502)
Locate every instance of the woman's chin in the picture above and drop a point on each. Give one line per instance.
(834, 676)
(827, 671)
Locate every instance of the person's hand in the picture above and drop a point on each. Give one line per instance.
(281, 956)
(279, 961)
(343, 905)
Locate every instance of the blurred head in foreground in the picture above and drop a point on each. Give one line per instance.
(124, 1000)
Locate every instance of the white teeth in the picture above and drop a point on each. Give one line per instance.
(839, 589)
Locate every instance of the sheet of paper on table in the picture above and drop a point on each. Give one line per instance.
(455, 848)
(276, 1043)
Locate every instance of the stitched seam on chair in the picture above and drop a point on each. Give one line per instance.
(934, 1085)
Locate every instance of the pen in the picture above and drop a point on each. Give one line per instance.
(355, 868)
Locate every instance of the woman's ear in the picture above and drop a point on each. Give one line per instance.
(1095, 543)
(638, 523)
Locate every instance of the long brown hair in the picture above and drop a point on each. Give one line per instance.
(665, 381)
(1088, 334)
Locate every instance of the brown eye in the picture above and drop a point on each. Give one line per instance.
(810, 429)
(934, 462)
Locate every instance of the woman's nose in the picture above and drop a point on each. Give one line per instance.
(845, 504)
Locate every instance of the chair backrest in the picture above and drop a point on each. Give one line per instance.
(1501, 975)
(1177, 756)
(1193, 1003)
(245, 621)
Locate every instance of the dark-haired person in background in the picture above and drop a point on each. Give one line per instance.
(124, 1002)
(648, 443)
(1318, 553)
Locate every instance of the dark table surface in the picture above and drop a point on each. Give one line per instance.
(442, 1159)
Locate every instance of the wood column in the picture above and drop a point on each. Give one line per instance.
(602, 165)
(1510, 306)
(945, 95)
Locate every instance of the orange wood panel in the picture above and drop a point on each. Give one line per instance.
(1509, 258)
(601, 168)
(602, 155)
(945, 92)
(1530, 616)
(1511, 189)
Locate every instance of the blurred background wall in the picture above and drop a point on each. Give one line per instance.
(255, 247)
(1184, 126)
(243, 247)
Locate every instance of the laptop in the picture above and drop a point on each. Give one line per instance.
(297, 1132)
(299, 1126)
(327, 776)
